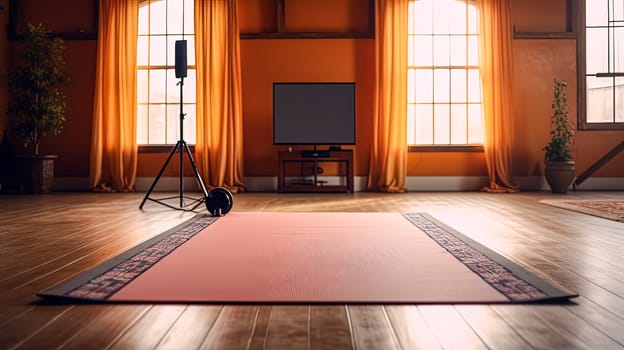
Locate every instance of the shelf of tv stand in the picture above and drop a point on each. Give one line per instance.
(313, 183)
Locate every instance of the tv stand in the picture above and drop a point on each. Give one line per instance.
(299, 171)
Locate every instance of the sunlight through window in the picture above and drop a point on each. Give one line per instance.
(444, 87)
(161, 23)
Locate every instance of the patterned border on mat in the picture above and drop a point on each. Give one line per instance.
(108, 283)
(494, 273)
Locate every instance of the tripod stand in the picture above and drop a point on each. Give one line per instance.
(181, 146)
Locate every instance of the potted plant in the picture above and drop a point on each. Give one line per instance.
(559, 166)
(37, 105)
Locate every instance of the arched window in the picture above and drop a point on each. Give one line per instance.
(161, 23)
(444, 88)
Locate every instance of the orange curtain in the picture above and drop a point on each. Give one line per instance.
(388, 161)
(497, 84)
(113, 160)
(219, 144)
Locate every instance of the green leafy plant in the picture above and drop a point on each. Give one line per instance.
(562, 133)
(37, 105)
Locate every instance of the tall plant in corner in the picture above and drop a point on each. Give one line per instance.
(559, 166)
(37, 105)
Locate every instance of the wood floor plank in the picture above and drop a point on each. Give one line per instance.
(491, 328)
(600, 318)
(148, 331)
(371, 328)
(450, 329)
(109, 326)
(329, 328)
(67, 326)
(191, 328)
(232, 329)
(289, 326)
(28, 324)
(534, 330)
(410, 328)
(573, 327)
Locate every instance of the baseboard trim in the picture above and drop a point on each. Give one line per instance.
(413, 183)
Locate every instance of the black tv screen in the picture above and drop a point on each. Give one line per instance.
(314, 113)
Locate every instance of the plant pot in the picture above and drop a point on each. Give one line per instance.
(559, 175)
(37, 173)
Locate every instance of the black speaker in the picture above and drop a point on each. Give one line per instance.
(219, 201)
(180, 59)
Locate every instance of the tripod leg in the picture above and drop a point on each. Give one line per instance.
(197, 176)
(162, 170)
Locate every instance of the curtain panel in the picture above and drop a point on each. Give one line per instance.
(113, 156)
(496, 60)
(388, 159)
(219, 145)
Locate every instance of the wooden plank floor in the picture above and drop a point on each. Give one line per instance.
(46, 239)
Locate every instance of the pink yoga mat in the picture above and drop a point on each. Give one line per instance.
(310, 257)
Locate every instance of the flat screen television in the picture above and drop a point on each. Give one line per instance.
(313, 113)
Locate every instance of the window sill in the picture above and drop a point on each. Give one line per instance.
(445, 148)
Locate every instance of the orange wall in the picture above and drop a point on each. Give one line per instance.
(536, 64)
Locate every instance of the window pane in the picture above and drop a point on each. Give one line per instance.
(599, 100)
(618, 11)
(441, 120)
(143, 19)
(619, 100)
(442, 23)
(457, 12)
(157, 123)
(458, 51)
(475, 124)
(188, 17)
(458, 124)
(441, 85)
(473, 20)
(158, 51)
(175, 20)
(190, 123)
(422, 22)
(441, 50)
(158, 17)
(190, 85)
(143, 51)
(424, 85)
(618, 49)
(142, 86)
(474, 86)
(411, 124)
(597, 44)
(411, 85)
(143, 119)
(423, 50)
(424, 124)
(173, 123)
(596, 12)
(157, 86)
(458, 85)
(473, 51)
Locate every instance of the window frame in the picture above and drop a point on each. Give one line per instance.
(164, 147)
(578, 6)
(448, 147)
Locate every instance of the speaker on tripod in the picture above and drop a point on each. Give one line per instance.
(218, 201)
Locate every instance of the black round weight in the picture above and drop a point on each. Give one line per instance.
(219, 201)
